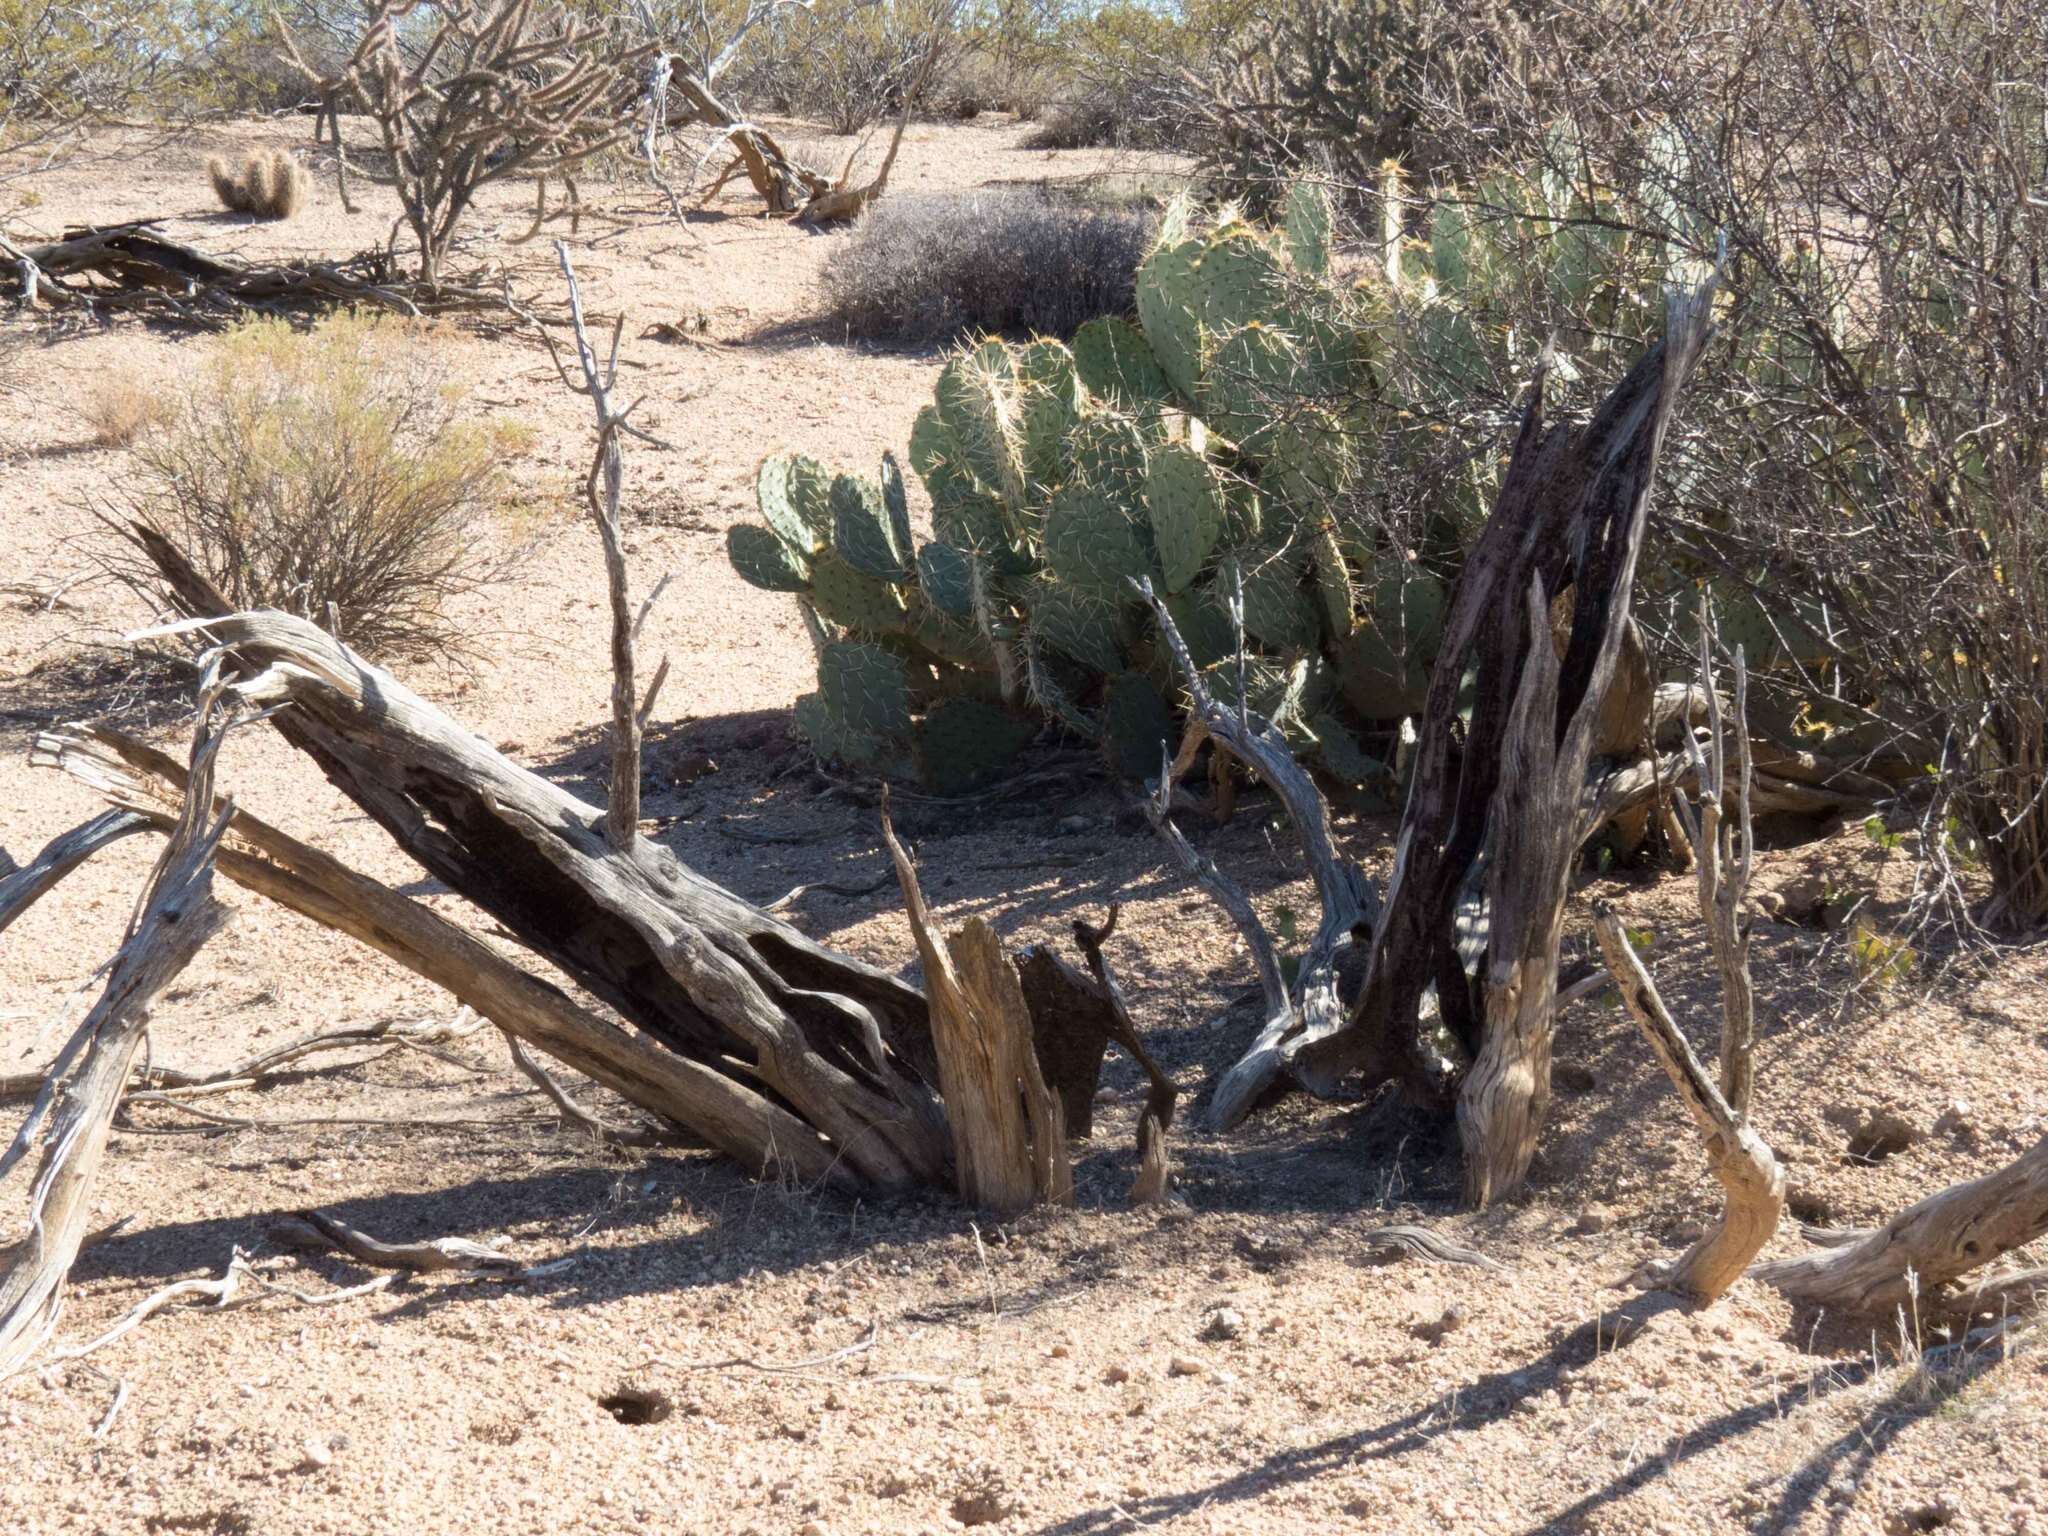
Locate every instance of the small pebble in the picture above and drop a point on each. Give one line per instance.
(1187, 1365)
(1224, 1323)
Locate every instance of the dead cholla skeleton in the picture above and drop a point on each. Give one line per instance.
(498, 88)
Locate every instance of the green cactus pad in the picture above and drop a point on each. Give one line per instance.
(1094, 543)
(963, 744)
(951, 639)
(865, 689)
(1136, 725)
(1342, 757)
(1078, 623)
(763, 560)
(932, 443)
(1184, 500)
(1117, 365)
(794, 495)
(832, 739)
(1252, 376)
(1309, 220)
(1384, 663)
(1278, 613)
(978, 400)
(853, 599)
(1203, 624)
(895, 502)
(1238, 282)
(1052, 398)
(1333, 580)
(1168, 310)
(945, 578)
(863, 533)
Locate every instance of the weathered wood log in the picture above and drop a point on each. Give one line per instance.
(728, 1114)
(130, 267)
(1740, 1159)
(785, 185)
(1924, 1249)
(75, 1111)
(1507, 788)
(842, 1045)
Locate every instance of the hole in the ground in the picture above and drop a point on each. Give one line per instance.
(637, 1405)
(1814, 1209)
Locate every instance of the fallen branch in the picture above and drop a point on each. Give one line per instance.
(726, 1113)
(1919, 1254)
(427, 1257)
(73, 1114)
(1312, 1009)
(129, 268)
(22, 888)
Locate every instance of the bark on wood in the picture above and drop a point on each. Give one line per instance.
(1508, 786)
(1924, 1249)
(129, 267)
(73, 1114)
(23, 887)
(730, 1115)
(1009, 1139)
(1723, 839)
(1748, 1172)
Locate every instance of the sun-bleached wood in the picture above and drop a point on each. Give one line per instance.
(1009, 1132)
(727, 1114)
(1919, 1253)
(1745, 1166)
(72, 1116)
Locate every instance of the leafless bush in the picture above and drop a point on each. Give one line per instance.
(925, 268)
(325, 475)
(269, 186)
(1866, 463)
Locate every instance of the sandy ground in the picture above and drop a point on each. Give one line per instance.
(948, 1371)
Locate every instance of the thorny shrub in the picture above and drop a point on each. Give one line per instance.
(923, 268)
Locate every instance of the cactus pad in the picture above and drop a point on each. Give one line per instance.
(1184, 500)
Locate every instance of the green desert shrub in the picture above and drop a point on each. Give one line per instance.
(326, 474)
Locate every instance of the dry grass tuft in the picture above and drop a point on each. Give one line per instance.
(269, 186)
(119, 409)
(929, 267)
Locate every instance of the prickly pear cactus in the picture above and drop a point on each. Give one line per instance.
(1206, 449)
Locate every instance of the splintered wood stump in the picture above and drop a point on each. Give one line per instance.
(1009, 1135)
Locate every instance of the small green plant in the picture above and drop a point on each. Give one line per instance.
(326, 474)
(1880, 962)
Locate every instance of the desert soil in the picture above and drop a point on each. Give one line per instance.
(904, 1365)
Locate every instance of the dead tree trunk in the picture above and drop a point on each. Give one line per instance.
(1495, 805)
(839, 1044)
(726, 1113)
